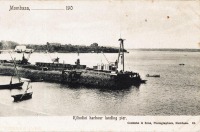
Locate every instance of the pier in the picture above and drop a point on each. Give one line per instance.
(86, 77)
(103, 75)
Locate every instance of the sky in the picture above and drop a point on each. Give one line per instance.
(144, 24)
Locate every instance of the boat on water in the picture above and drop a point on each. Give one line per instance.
(12, 85)
(25, 96)
(152, 75)
(21, 97)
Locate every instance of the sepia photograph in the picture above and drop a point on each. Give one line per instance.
(100, 60)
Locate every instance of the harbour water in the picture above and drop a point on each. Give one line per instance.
(176, 92)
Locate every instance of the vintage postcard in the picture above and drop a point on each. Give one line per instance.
(100, 65)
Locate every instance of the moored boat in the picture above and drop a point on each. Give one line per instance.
(26, 95)
(20, 97)
(12, 86)
(152, 75)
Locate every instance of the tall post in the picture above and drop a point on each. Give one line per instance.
(121, 52)
(122, 43)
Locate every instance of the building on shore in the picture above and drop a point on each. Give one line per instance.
(20, 48)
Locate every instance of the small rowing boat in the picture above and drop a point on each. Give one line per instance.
(152, 75)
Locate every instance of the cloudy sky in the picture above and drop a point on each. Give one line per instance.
(144, 24)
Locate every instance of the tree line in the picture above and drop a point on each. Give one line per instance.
(68, 48)
(56, 47)
(5, 45)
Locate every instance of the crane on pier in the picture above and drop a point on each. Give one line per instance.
(121, 54)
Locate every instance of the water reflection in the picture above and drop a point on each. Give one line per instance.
(78, 86)
(103, 89)
(117, 92)
(120, 93)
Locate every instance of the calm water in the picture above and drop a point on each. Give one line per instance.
(176, 92)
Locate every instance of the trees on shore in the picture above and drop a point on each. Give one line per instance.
(57, 47)
(68, 48)
(5, 45)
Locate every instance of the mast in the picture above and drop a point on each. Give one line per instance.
(25, 90)
(16, 71)
(121, 53)
(15, 68)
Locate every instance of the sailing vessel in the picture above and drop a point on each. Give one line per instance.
(25, 96)
(12, 85)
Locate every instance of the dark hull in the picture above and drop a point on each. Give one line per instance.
(102, 80)
(152, 75)
(12, 86)
(21, 97)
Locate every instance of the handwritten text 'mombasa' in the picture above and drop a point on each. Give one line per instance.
(12, 7)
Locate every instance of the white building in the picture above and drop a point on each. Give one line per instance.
(20, 48)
